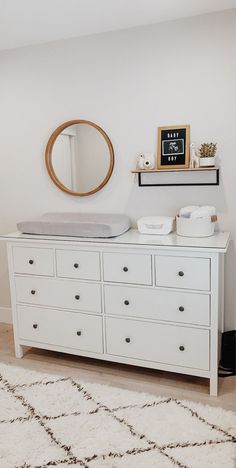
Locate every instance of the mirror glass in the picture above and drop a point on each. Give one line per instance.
(80, 158)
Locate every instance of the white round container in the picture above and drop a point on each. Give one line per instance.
(207, 162)
(199, 227)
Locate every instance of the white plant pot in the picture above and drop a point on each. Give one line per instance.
(207, 162)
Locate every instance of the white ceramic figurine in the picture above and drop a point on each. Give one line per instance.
(194, 158)
(146, 161)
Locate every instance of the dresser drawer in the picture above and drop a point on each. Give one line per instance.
(68, 329)
(59, 293)
(183, 272)
(182, 307)
(33, 261)
(127, 268)
(78, 264)
(169, 344)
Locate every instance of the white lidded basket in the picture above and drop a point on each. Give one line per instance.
(195, 227)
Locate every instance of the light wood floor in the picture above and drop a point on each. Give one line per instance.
(118, 375)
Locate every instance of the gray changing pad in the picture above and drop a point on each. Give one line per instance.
(77, 224)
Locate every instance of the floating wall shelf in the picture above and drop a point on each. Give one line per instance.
(165, 177)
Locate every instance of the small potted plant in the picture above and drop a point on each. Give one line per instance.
(207, 153)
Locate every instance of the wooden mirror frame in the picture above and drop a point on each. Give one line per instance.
(48, 157)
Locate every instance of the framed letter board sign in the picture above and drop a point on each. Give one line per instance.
(173, 147)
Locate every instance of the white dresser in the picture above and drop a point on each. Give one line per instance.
(151, 301)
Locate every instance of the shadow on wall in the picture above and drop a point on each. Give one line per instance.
(144, 201)
(230, 284)
(167, 201)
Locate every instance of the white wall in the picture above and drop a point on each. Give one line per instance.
(128, 82)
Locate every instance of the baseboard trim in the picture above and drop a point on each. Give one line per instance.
(5, 315)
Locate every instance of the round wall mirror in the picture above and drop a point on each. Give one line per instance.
(79, 157)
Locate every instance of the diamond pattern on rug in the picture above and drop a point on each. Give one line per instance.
(53, 421)
(99, 434)
(150, 459)
(10, 409)
(28, 443)
(207, 455)
(20, 376)
(225, 420)
(157, 423)
(119, 397)
(49, 406)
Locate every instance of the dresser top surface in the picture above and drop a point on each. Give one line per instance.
(218, 242)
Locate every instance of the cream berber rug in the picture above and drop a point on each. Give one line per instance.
(48, 421)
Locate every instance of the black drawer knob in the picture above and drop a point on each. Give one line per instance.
(33, 292)
(127, 340)
(181, 273)
(35, 325)
(181, 348)
(77, 297)
(181, 309)
(126, 302)
(76, 265)
(125, 269)
(79, 332)
(31, 262)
